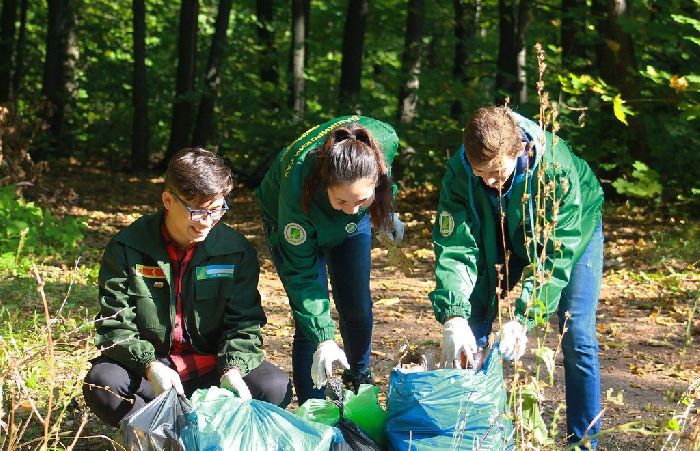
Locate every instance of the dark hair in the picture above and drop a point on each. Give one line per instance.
(350, 154)
(199, 175)
(491, 133)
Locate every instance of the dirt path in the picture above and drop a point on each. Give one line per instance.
(642, 318)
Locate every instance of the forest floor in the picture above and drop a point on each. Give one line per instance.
(648, 319)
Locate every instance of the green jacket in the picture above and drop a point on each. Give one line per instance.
(300, 236)
(465, 232)
(222, 311)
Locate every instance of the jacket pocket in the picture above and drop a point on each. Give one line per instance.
(152, 315)
(211, 298)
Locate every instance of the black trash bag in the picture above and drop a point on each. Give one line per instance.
(355, 438)
(167, 423)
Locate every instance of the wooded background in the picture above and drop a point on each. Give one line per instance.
(127, 84)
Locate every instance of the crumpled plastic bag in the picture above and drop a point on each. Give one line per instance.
(449, 409)
(166, 423)
(228, 423)
(358, 416)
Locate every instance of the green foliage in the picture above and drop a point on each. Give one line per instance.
(28, 231)
(644, 184)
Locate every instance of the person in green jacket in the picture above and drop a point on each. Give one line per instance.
(179, 303)
(317, 201)
(550, 237)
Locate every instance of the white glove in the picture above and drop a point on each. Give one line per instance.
(457, 339)
(232, 379)
(512, 340)
(397, 229)
(322, 366)
(163, 378)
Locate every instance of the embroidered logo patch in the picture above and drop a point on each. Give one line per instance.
(447, 223)
(215, 272)
(351, 227)
(294, 233)
(150, 272)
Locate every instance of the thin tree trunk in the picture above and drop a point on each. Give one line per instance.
(298, 57)
(466, 27)
(619, 68)
(268, 61)
(19, 50)
(411, 61)
(353, 47)
(521, 47)
(139, 130)
(183, 105)
(212, 78)
(59, 64)
(573, 28)
(7, 44)
(507, 68)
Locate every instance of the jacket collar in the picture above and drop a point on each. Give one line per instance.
(144, 236)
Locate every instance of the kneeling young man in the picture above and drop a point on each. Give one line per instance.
(506, 162)
(179, 303)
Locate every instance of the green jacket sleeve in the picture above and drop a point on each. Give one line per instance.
(456, 252)
(539, 301)
(299, 273)
(116, 331)
(241, 340)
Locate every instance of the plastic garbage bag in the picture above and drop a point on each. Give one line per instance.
(167, 423)
(363, 409)
(228, 423)
(319, 410)
(449, 409)
(355, 438)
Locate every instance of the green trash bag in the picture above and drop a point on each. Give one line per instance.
(228, 423)
(362, 409)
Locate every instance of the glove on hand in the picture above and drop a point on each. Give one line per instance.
(163, 378)
(457, 339)
(322, 366)
(513, 340)
(232, 379)
(397, 229)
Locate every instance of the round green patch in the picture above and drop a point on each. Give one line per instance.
(351, 227)
(294, 233)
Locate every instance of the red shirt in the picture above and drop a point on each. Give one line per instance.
(188, 363)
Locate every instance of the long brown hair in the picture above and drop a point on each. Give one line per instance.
(350, 154)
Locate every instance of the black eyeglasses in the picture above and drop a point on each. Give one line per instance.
(201, 215)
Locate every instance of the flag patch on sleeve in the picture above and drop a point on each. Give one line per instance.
(215, 272)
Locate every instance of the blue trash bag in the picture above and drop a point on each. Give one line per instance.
(167, 423)
(449, 409)
(228, 423)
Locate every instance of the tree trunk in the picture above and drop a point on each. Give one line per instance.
(411, 61)
(268, 61)
(212, 77)
(7, 44)
(506, 66)
(521, 47)
(139, 92)
(19, 50)
(353, 46)
(183, 105)
(617, 66)
(300, 10)
(59, 66)
(573, 28)
(466, 24)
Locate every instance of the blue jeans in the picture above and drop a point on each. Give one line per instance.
(579, 344)
(348, 265)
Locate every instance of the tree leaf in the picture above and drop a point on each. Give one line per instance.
(619, 109)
